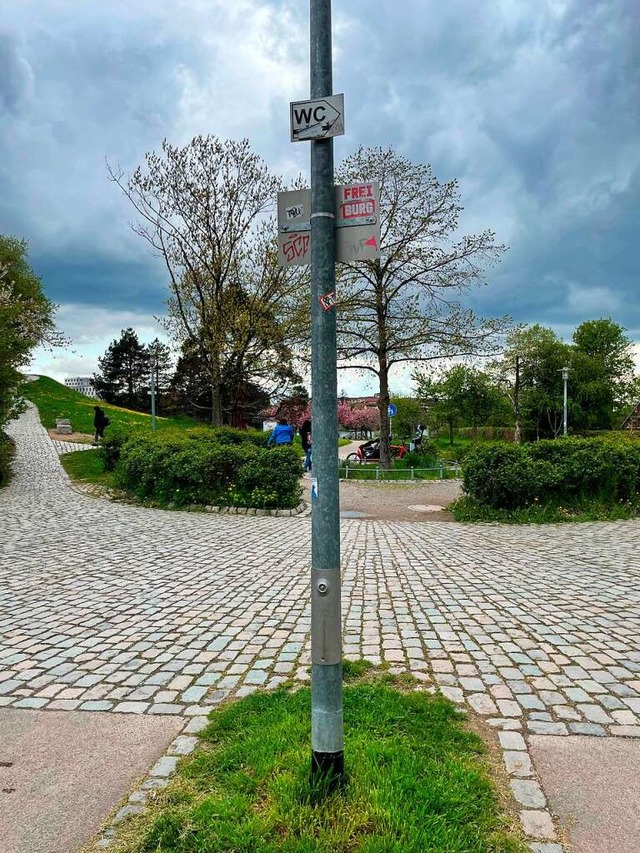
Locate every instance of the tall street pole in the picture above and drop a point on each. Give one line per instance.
(327, 758)
(565, 376)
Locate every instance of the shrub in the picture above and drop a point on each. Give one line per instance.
(7, 450)
(193, 467)
(559, 471)
(505, 476)
(109, 450)
(424, 458)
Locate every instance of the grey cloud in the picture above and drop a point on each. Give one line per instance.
(532, 105)
(16, 76)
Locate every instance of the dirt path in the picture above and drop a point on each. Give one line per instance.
(417, 501)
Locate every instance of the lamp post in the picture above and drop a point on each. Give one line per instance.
(327, 756)
(565, 376)
(154, 368)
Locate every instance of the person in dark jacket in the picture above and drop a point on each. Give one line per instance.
(305, 440)
(282, 433)
(100, 421)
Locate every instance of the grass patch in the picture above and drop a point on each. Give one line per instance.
(399, 471)
(467, 508)
(418, 781)
(55, 400)
(86, 466)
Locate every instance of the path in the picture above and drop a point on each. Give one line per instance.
(113, 608)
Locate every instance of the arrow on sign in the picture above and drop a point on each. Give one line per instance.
(312, 120)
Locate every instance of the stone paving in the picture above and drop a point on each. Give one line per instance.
(113, 607)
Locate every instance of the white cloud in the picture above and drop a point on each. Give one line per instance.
(91, 331)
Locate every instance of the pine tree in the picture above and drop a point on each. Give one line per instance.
(124, 372)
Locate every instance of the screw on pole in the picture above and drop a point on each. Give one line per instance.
(327, 739)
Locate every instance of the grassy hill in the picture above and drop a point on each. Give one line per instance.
(55, 400)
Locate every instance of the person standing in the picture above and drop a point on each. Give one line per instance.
(305, 439)
(100, 421)
(282, 433)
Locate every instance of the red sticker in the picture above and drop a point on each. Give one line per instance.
(329, 300)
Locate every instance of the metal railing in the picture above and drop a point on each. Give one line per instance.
(395, 474)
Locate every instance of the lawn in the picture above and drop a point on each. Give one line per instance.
(86, 466)
(55, 400)
(417, 780)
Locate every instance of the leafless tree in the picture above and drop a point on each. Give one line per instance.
(405, 306)
(205, 209)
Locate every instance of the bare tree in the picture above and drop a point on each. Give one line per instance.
(205, 210)
(404, 307)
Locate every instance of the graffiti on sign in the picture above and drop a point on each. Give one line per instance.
(357, 201)
(329, 300)
(357, 212)
(295, 246)
(296, 211)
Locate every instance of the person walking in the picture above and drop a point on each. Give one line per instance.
(282, 433)
(305, 439)
(100, 421)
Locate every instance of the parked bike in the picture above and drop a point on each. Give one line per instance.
(370, 452)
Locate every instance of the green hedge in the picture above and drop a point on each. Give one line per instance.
(7, 450)
(561, 471)
(117, 436)
(204, 466)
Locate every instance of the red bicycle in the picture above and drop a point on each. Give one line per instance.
(370, 452)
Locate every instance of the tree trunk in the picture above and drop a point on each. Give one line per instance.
(216, 394)
(383, 408)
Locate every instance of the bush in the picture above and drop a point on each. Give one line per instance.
(7, 449)
(193, 467)
(504, 475)
(562, 471)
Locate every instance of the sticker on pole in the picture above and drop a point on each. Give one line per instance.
(317, 119)
(329, 300)
(314, 489)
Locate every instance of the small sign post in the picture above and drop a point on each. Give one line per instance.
(357, 224)
(320, 118)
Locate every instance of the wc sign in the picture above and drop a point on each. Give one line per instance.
(317, 119)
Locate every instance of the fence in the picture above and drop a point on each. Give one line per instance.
(398, 474)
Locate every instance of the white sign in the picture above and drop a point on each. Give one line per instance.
(357, 212)
(317, 119)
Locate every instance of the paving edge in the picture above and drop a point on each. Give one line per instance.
(536, 819)
(94, 490)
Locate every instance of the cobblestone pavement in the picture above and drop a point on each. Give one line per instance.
(112, 607)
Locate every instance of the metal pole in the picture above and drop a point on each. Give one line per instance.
(327, 758)
(565, 376)
(153, 394)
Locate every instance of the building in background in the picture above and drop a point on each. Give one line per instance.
(83, 385)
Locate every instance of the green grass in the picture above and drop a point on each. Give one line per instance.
(467, 508)
(55, 400)
(417, 780)
(86, 466)
(369, 471)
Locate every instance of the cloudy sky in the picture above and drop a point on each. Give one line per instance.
(532, 104)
